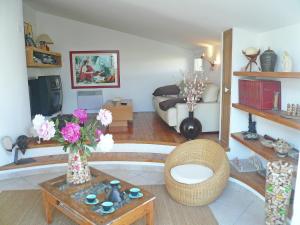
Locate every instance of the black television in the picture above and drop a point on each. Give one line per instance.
(45, 95)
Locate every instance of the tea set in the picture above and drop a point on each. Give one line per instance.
(113, 195)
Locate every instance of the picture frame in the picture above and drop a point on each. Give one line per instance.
(95, 69)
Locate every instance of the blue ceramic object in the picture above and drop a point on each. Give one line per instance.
(139, 195)
(134, 191)
(106, 206)
(91, 198)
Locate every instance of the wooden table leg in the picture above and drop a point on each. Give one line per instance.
(150, 214)
(47, 207)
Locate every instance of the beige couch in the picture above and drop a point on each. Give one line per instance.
(207, 111)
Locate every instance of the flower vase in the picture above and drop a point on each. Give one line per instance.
(78, 169)
(190, 127)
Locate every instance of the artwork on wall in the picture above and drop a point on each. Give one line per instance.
(95, 69)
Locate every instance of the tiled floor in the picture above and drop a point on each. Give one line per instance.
(236, 206)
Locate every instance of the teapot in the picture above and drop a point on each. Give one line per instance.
(113, 194)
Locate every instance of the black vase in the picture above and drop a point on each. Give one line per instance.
(190, 127)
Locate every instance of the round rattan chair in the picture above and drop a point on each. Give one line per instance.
(204, 152)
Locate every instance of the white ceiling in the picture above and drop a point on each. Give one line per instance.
(186, 23)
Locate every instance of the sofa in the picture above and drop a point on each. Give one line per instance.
(207, 111)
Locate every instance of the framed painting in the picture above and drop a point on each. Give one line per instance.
(95, 69)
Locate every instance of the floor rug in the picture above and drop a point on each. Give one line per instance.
(25, 208)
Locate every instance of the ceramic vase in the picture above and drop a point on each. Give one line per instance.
(78, 169)
(190, 127)
(268, 61)
(278, 191)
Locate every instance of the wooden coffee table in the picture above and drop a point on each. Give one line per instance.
(122, 112)
(69, 199)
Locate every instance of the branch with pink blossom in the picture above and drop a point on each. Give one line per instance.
(193, 87)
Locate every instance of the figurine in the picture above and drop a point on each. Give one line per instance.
(289, 109)
(294, 110)
(287, 63)
(251, 134)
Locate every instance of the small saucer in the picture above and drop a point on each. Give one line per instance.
(139, 195)
(112, 209)
(92, 203)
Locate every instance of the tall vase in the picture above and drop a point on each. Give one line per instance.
(278, 192)
(78, 169)
(190, 127)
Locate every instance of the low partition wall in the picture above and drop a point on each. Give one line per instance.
(129, 156)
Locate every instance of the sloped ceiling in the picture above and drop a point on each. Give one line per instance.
(185, 23)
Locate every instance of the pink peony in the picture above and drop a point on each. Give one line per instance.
(105, 117)
(46, 130)
(71, 132)
(81, 114)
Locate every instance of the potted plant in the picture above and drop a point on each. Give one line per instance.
(79, 136)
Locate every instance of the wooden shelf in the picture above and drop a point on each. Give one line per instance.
(268, 74)
(41, 65)
(257, 147)
(30, 53)
(255, 181)
(252, 179)
(269, 115)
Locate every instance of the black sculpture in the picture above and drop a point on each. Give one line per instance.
(251, 125)
(251, 134)
(20, 144)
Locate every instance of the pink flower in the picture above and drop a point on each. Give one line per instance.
(81, 114)
(71, 132)
(46, 130)
(105, 117)
(98, 133)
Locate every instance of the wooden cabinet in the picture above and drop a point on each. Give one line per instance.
(39, 58)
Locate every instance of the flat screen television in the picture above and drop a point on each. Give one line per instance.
(45, 95)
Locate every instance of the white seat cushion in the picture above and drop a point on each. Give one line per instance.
(191, 173)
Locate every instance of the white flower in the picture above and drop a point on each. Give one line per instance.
(105, 117)
(38, 121)
(46, 130)
(106, 143)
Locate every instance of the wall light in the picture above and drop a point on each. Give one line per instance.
(211, 62)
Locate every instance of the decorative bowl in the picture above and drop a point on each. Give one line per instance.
(282, 148)
(251, 51)
(267, 143)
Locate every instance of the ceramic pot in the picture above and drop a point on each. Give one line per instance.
(190, 127)
(78, 169)
(268, 61)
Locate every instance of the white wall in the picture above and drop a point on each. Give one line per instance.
(14, 98)
(239, 119)
(145, 64)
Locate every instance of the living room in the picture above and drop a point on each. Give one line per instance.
(155, 44)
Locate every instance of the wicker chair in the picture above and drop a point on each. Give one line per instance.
(203, 152)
